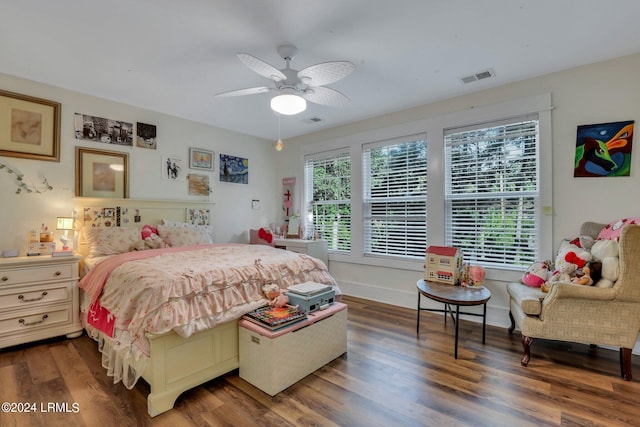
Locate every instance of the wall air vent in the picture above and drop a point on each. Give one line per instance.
(478, 76)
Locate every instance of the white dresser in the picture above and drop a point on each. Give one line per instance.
(314, 248)
(38, 298)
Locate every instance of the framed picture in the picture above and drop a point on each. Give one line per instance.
(173, 169)
(29, 127)
(234, 169)
(103, 130)
(604, 149)
(200, 159)
(198, 185)
(146, 136)
(101, 173)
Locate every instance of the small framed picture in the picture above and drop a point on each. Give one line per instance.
(200, 159)
(101, 173)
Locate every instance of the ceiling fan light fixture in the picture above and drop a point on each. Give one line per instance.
(288, 104)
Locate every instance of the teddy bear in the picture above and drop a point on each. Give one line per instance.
(276, 296)
(536, 274)
(563, 274)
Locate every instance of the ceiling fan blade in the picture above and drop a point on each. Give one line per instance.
(261, 67)
(325, 73)
(326, 96)
(242, 92)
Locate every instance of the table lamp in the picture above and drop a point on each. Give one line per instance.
(66, 224)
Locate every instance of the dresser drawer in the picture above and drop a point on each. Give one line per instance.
(28, 297)
(43, 273)
(20, 322)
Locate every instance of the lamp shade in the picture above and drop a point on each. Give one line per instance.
(288, 104)
(64, 223)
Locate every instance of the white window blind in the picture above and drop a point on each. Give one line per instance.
(395, 197)
(492, 189)
(328, 198)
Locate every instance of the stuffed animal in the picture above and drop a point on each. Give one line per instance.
(536, 274)
(151, 239)
(563, 274)
(591, 274)
(276, 296)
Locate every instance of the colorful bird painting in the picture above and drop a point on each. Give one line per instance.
(604, 149)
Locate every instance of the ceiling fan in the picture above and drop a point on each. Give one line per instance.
(296, 87)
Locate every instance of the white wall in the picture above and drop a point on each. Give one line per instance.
(232, 213)
(597, 93)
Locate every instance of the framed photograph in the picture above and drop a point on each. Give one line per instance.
(29, 127)
(234, 169)
(200, 159)
(99, 129)
(101, 173)
(198, 216)
(173, 169)
(146, 136)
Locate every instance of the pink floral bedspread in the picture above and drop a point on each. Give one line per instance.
(193, 288)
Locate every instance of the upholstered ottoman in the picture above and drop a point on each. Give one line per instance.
(272, 361)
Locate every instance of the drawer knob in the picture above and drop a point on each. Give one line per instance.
(37, 322)
(23, 299)
(58, 273)
(5, 278)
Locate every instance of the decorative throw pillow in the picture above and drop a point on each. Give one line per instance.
(612, 230)
(602, 249)
(183, 236)
(110, 240)
(207, 228)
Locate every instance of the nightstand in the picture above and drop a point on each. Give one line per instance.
(314, 248)
(38, 298)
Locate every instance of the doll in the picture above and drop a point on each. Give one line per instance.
(591, 274)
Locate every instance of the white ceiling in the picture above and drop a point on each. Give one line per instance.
(173, 56)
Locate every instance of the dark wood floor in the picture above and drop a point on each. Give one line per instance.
(389, 377)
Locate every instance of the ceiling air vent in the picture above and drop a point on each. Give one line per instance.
(478, 76)
(313, 120)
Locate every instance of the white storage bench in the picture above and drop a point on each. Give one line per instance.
(272, 361)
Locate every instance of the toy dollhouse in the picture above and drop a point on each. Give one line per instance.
(443, 264)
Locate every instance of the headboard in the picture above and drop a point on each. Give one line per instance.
(100, 212)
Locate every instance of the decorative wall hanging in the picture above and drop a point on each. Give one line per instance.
(173, 168)
(29, 127)
(234, 169)
(146, 136)
(604, 149)
(103, 130)
(101, 173)
(288, 185)
(198, 216)
(198, 185)
(200, 159)
(22, 185)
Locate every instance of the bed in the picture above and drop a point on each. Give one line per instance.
(170, 314)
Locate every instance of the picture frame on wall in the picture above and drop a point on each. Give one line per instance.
(100, 129)
(101, 173)
(200, 159)
(29, 127)
(234, 169)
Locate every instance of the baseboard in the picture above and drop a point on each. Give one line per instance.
(496, 315)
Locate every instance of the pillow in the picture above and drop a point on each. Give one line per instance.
(183, 236)
(612, 231)
(602, 249)
(110, 240)
(207, 228)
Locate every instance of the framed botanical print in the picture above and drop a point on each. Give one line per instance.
(101, 173)
(29, 127)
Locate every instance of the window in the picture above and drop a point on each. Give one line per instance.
(395, 197)
(492, 192)
(328, 198)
